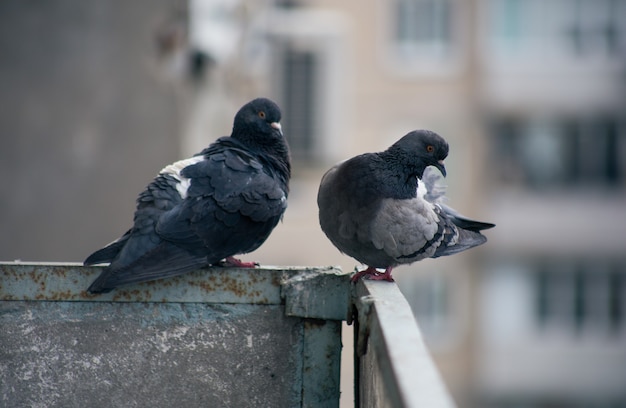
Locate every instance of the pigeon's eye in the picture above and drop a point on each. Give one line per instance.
(430, 148)
(262, 114)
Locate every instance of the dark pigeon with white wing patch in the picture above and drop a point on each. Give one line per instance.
(384, 209)
(197, 212)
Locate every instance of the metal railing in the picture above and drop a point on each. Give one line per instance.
(393, 366)
(215, 337)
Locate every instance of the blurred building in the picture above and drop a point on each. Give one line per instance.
(553, 297)
(530, 94)
(88, 115)
(532, 98)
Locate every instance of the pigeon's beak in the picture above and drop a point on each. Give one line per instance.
(277, 126)
(441, 167)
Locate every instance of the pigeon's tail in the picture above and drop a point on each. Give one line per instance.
(100, 286)
(468, 235)
(462, 221)
(165, 260)
(108, 253)
(465, 240)
(471, 225)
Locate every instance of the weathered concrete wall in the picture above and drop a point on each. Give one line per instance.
(79, 354)
(217, 337)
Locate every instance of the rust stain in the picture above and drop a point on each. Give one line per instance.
(64, 283)
(60, 272)
(34, 276)
(62, 295)
(137, 295)
(312, 323)
(202, 285)
(233, 286)
(241, 287)
(277, 279)
(254, 278)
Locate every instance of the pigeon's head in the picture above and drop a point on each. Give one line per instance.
(258, 122)
(422, 148)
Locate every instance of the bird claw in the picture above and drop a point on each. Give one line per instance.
(358, 275)
(372, 274)
(234, 262)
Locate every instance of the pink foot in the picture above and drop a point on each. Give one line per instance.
(373, 274)
(232, 261)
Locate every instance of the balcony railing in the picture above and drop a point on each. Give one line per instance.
(216, 337)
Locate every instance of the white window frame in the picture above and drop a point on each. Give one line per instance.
(323, 33)
(430, 59)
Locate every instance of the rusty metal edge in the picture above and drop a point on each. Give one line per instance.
(56, 281)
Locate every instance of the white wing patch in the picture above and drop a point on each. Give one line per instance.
(174, 170)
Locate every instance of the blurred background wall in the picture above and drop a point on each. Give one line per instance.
(96, 97)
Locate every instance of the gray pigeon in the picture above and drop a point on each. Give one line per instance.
(384, 209)
(222, 202)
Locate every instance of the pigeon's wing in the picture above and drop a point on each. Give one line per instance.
(407, 230)
(232, 205)
(415, 229)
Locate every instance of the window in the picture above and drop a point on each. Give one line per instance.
(425, 37)
(306, 62)
(596, 27)
(580, 295)
(438, 304)
(560, 152)
(430, 303)
(574, 28)
(298, 100)
(423, 28)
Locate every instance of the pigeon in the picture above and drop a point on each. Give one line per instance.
(197, 212)
(386, 209)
